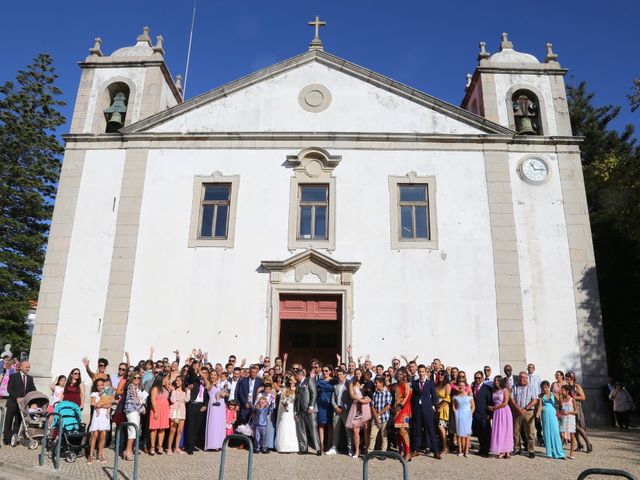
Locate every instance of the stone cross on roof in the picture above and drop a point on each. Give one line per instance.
(316, 43)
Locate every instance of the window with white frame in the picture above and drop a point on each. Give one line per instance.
(313, 211)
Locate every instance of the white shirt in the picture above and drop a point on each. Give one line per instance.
(232, 387)
(535, 380)
(252, 382)
(200, 397)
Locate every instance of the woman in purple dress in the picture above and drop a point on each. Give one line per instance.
(216, 413)
(502, 425)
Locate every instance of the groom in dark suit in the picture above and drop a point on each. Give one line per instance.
(20, 383)
(481, 425)
(423, 399)
(306, 410)
(247, 394)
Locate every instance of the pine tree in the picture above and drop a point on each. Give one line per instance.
(29, 169)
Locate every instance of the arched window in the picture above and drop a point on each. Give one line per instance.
(526, 113)
(116, 112)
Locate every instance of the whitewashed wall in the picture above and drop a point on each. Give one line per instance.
(551, 334)
(87, 277)
(403, 301)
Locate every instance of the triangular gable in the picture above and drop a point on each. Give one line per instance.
(229, 108)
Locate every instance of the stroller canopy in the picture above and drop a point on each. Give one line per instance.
(36, 397)
(70, 414)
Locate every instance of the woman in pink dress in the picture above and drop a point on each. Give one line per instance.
(502, 425)
(159, 415)
(216, 413)
(178, 413)
(360, 412)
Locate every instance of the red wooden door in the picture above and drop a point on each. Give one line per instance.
(310, 327)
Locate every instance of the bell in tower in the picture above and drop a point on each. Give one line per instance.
(525, 113)
(116, 112)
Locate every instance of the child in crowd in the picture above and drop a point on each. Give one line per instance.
(568, 417)
(232, 410)
(260, 419)
(101, 420)
(57, 389)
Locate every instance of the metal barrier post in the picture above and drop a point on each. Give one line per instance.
(2, 415)
(135, 449)
(246, 440)
(56, 458)
(381, 454)
(605, 471)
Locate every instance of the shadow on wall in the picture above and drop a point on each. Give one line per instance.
(593, 356)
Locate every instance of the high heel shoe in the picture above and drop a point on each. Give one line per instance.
(589, 448)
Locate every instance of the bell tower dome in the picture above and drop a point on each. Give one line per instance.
(517, 91)
(120, 89)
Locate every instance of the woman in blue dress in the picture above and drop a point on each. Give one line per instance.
(548, 411)
(324, 385)
(463, 406)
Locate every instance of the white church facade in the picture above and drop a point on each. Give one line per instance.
(316, 204)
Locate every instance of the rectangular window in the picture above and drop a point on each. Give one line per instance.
(412, 202)
(414, 211)
(214, 212)
(313, 204)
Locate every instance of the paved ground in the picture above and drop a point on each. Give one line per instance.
(611, 450)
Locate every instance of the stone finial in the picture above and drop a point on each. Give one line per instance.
(316, 43)
(551, 57)
(179, 83)
(145, 36)
(483, 55)
(158, 46)
(469, 76)
(505, 43)
(95, 50)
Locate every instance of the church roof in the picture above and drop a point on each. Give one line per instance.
(331, 61)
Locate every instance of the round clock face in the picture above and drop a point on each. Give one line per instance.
(534, 170)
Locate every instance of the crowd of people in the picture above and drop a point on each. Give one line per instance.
(352, 407)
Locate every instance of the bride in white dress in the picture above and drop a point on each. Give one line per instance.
(286, 437)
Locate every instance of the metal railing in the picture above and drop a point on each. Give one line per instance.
(45, 440)
(136, 447)
(2, 415)
(247, 441)
(380, 454)
(605, 471)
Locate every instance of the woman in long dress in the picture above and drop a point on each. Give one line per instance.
(286, 436)
(548, 413)
(402, 414)
(502, 425)
(216, 413)
(443, 392)
(325, 384)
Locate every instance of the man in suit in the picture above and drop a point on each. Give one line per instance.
(306, 410)
(481, 424)
(196, 407)
(423, 399)
(247, 394)
(20, 383)
(341, 403)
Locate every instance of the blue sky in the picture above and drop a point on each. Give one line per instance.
(426, 44)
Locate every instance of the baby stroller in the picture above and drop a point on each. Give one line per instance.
(68, 425)
(31, 419)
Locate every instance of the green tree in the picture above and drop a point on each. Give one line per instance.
(29, 169)
(611, 166)
(634, 98)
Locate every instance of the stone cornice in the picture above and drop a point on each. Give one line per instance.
(336, 63)
(313, 256)
(518, 69)
(355, 139)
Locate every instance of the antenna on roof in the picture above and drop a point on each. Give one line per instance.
(186, 70)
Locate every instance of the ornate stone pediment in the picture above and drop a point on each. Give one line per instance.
(310, 266)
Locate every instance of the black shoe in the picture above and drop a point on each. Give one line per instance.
(256, 451)
(318, 453)
(266, 451)
(189, 452)
(516, 452)
(303, 453)
(532, 455)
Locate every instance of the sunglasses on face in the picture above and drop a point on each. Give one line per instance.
(326, 371)
(136, 378)
(121, 369)
(478, 378)
(101, 365)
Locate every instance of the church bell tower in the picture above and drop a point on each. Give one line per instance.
(517, 91)
(130, 84)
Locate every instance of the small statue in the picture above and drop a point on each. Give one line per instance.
(7, 351)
